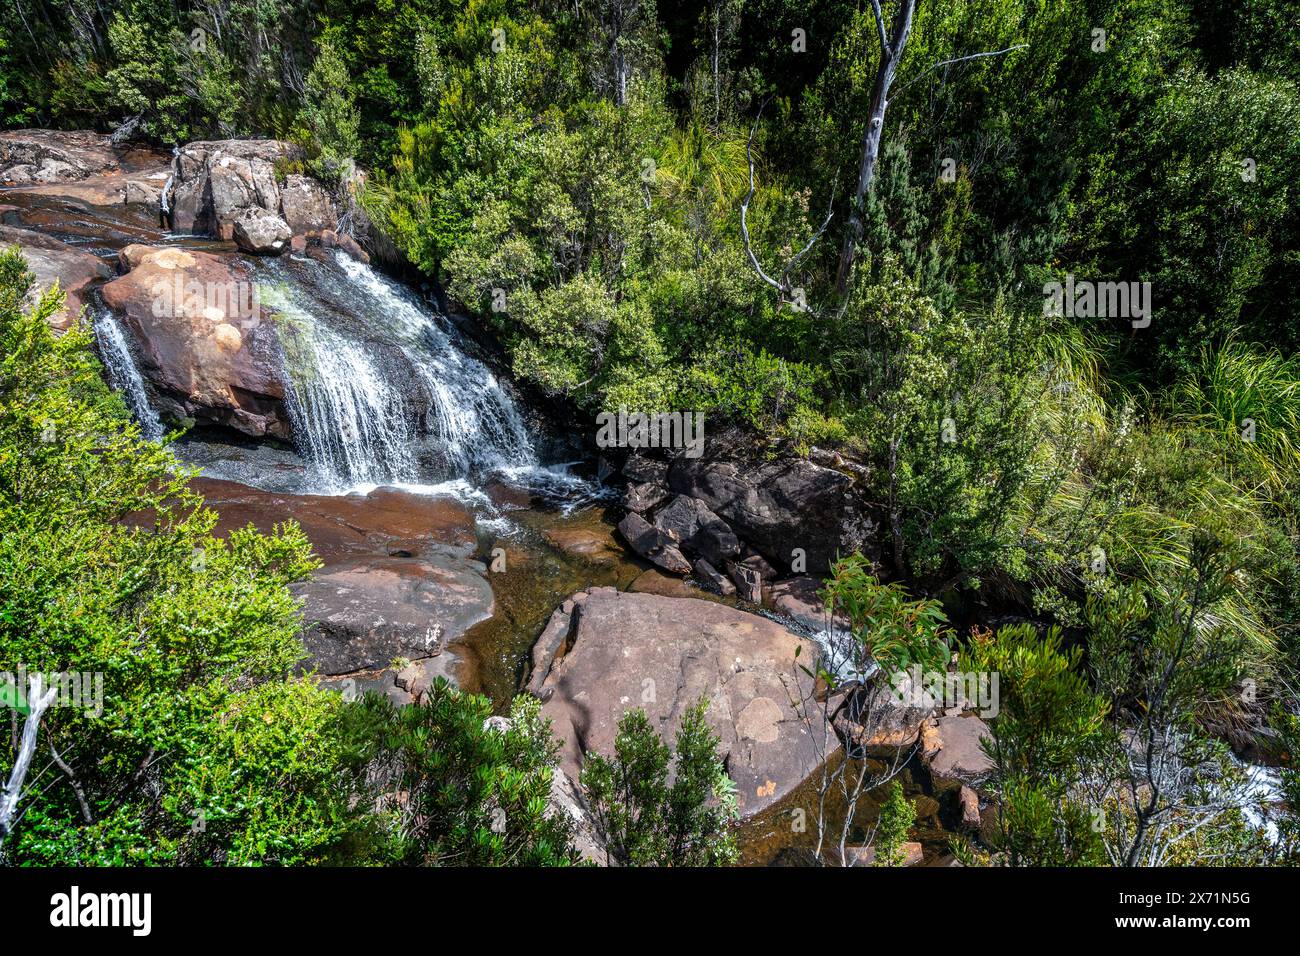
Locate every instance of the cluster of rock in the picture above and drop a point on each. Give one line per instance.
(81, 165)
(739, 525)
(234, 190)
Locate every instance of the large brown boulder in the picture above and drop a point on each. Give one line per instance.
(218, 181)
(53, 261)
(207, 347)
(306, 206)
(607, 651)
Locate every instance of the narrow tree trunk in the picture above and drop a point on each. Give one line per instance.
(890, 54)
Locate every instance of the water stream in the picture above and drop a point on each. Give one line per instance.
(124, 374)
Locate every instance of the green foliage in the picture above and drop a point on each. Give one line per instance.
(1048, 732)
(451, 787)
(897, 816)
(890, 630)
(206, 749)
(649, 822)
(330, 114)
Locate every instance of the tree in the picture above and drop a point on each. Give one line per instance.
(453, 786)
(330, 113)
(1160, 660)
(645, 820)
(1047, 737)
(893, 42)
(179, 733)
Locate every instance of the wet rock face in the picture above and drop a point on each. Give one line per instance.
(207, 348)
(79, 165)
(399, 580)
(53, 261)
(606, 652)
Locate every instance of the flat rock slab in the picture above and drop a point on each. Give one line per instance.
(367, 614)
(626, 650)
(399, 579)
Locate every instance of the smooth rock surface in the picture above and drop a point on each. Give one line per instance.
(628, 650)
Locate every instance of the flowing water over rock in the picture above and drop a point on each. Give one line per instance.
(381, 392)
(124, 374)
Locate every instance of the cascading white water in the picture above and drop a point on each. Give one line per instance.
(124, 375)
(380, 392)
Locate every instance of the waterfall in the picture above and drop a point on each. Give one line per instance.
(379, 391)
(124, 374)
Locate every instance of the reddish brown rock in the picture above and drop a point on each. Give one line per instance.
(399, 581)
(53, 261)
(960, 758)
(207, 346)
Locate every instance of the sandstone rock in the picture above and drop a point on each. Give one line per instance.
(775, 506)
(639, 468)
(799, 600)
(369, 613)
(261, 232)
(53, 261)
(353, 248)
(749, 583)
(306, 205)
(960, 759)
(593, 544)
(644, 496)
(874, 722)
(298, 244)
(690, 523)
(80, 165)
(654, 581)
(624, 645)
(142, 192)
(366, 608)
(552, 645)
(31, 156)
(653, 544)
(567, 801)
(206, 345)
(218, 181)
(927, 808)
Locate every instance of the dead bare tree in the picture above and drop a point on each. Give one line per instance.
(39, 700)
(782, 284)
(893, 41)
